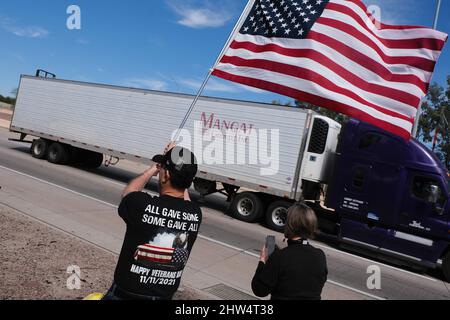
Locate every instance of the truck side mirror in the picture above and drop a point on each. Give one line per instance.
(434, 194)
(439, 210)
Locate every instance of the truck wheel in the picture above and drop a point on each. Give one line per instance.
(57, 153)
(39, 149)
(446, 266)
(276, 215)
(247, 206)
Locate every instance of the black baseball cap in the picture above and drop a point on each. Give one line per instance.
(181, 163)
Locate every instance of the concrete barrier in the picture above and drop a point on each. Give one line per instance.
(5, 106)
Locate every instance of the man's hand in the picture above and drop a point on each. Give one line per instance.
(170, 146)
(153, 171)
(138, 184)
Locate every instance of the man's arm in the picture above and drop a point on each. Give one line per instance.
(138, 184)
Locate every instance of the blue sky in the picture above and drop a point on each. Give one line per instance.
(155, 44)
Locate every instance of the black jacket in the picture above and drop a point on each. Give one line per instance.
(297, 272)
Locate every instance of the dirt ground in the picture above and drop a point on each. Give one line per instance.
(34, 259)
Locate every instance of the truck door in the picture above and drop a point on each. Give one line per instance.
(422, 218)
(357, 226)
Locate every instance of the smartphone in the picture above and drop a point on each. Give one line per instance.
(270, 245)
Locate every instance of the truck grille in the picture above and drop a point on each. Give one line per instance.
(319, 136)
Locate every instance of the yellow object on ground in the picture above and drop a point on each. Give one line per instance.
(95, 296)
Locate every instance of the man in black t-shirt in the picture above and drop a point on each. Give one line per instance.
(161, 231)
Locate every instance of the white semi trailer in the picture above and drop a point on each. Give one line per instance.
(81, 123)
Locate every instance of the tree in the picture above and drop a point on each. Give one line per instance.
(9, 100)
(436, 116)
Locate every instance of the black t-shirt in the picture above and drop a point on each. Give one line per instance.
(298, 272)
(161, 232)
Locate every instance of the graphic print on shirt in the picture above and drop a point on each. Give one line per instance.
(166, 250)
(158, 243)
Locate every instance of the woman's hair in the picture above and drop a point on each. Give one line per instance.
(301, 222)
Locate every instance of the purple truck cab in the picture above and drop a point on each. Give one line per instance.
(391, 196)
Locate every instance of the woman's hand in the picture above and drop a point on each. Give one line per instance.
(264, 255)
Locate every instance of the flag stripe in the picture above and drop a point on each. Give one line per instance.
(408, 33)
(378, 76)
(164, 261)
(383, 26)
(427, 47)
(388, 72)
(308, 74)
(310, 86)
(366, 46)
(399, 101)
(150, 247)
(397, 32)
(315, 99)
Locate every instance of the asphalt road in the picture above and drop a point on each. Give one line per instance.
(345, 269)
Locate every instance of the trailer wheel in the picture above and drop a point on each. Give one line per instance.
(276, 215)
(247, 206)
(58, 153)
(446, 266)
(39, 149)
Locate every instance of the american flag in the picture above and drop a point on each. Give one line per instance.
(154, 254)
(161, 255)
(334, 54)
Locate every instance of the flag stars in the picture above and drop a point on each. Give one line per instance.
(282, 18)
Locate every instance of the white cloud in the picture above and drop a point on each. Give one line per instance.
(164, 240)
(217, 85)
(27, 31)
(251, 89)
(200, 17)
(213, 85)
(152, 84)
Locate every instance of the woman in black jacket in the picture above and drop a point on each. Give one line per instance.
(299, 271)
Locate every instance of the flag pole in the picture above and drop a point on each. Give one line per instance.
(415, 132)
(236, 29)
